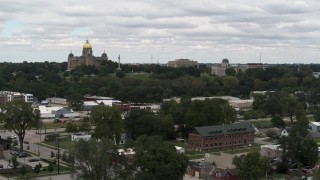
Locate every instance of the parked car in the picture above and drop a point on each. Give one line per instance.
(12, 136)
(307, 169)
(23, 155)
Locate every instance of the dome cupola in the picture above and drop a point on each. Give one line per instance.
(87, 45)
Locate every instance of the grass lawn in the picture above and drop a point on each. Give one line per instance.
(58, 125)
(43, 172)
(177, 143)
(65, 143)
(262, 124)
(243, 150)
(141, 76)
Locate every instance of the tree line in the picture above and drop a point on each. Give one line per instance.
(152, 83)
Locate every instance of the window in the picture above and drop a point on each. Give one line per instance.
(215, 144)
(206, 145)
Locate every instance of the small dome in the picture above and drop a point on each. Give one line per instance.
(87, 45)
(225, 61)
(71, 54)
(104, 54)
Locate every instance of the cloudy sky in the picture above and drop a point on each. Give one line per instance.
(144, 31)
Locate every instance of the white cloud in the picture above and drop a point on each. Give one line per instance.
(203, 30)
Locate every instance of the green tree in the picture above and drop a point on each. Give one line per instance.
(50, 168)
(71, 127)
(299, 149)
(158, 160)
(23, 170)
(316, 114)
(20, 116)
(230, 72)
(37, 169)
(85, 125)
(252, 166)
(108, 122)
(98, 160)
(52, 155)
(278, 122)
(290, 105)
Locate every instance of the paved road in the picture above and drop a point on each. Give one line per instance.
(56, 177)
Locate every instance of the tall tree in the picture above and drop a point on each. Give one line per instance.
(18, 116)
(251, 166)
(157, 160)
(290, 105)
(99, 160)
(108, 122)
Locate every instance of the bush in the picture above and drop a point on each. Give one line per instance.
(64, 156)
(50, 168)
(271, 133)
(37, 169)
(23, 170)
(71, 128)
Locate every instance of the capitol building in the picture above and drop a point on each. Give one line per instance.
(86, 58)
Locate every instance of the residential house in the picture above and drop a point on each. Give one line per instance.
(223, 174)
(270, 151)
(180, 150)
(199, 169)
(314, 126)
(207, 138)
(285, 132)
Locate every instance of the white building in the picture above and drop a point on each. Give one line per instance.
(271, 151)
(314, 126)
(8, 96)
(77, 137)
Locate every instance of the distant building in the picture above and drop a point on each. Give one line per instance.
(244, 67)
(182, 63)
(207, 138)
(86, 58)
(316, 74)
(56, 100)
(220, 69)
(8, 96)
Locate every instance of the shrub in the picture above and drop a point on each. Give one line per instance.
(271, 133)
(50, 168)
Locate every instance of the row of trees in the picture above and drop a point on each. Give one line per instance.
(151, 83)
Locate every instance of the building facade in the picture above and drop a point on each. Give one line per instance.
(178, 63)
(86, 58)
(8, 96)
(220, 69)
(207, 138)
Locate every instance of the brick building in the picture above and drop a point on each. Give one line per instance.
(207, 138)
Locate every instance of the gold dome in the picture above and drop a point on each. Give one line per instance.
(87, 45)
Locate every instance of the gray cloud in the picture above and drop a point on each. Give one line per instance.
(206, 30)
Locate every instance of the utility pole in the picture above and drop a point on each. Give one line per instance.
(58, 143)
